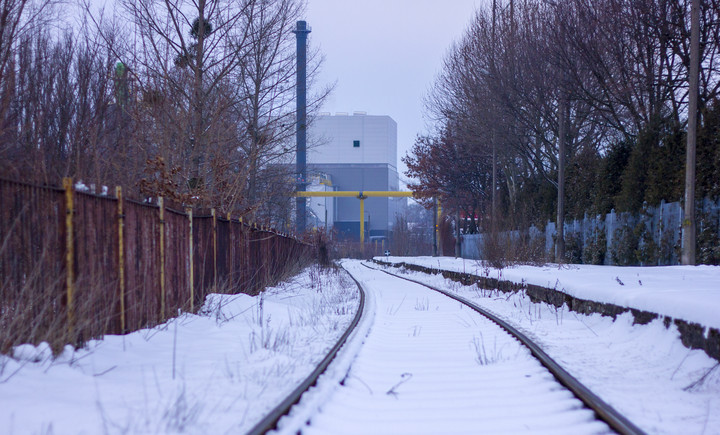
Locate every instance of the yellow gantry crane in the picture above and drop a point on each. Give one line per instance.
(361, 195)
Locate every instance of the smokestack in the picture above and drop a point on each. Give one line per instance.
(301, 32)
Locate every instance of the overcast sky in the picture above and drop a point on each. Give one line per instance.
(385, 54)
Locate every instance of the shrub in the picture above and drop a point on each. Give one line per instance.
(708, 240)
(500, 250)
(573, 248)
(647, 252)
(624, 245)
(595, 247)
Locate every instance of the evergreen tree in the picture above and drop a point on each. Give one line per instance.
(582, 182)
(635, 176)
(666, 171)
(708, 154)
(609, 179)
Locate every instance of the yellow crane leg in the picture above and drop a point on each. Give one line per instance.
(362, 221)
(361, 195)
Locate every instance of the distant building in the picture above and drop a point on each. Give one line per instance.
(321, 210)
(357, 152)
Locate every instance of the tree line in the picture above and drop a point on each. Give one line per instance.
(192, 100)
(547, 110)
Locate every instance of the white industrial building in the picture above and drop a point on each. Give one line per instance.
(355, 152)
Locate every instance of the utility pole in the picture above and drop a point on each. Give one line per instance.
(458, 237)
(301, 32)
(688, 225)
(436, 222)
(562, 139)
(493, 137)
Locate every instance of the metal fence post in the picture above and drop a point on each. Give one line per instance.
(69, 252)
(214, 231)
(230, 252)
(121, 256)
(161, 204)
(192, 262)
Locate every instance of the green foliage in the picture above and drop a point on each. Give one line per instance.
(668, 247)
(634, 177)
(536, 203)
(573, 248)
(708, 240)
(666, 171)
(635, 244)
(609, 179)
(624, 245)
(708, 154)
(595, 247)
(581, 182)
(647, 251)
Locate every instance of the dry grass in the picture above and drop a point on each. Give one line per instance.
(503, 249)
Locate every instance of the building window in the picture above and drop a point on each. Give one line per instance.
(356, 143)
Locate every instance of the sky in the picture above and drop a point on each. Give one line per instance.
(383, 55)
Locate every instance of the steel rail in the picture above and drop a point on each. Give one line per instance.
(269, 422)
(604, 412)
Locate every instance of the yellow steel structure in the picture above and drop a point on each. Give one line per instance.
(121, 256)
(359, 194)
(69, 252)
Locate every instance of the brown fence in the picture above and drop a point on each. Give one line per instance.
(76, 265)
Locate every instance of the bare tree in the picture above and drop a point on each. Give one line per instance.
(180, 55)
(19, 20)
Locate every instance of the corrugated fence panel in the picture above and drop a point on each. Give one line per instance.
(177, 262)
(223, 247)
(204, 268)
(96, 296)
(32, 271)
(65, 274)
(142, 258)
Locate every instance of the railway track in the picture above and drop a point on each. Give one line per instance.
(422, 360)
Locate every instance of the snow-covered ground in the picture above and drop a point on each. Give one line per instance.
(643, 371)
(690, 293)
(216, 372)
(221, 371)
(430, 365)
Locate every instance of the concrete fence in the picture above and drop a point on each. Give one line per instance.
(651, 237)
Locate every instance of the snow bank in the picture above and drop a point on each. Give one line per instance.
(219, 371)
(690, 293)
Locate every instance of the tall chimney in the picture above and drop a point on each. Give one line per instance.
(301, 32)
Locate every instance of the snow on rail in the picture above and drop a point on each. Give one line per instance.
(643, 371)
(432, 365)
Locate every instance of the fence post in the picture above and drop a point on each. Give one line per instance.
(230, 261)
(121, 256)
(192, 262)
(161, 204)
(69, 252)
(610, 223)
(214, 231)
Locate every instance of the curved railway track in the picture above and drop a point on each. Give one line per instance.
(429, 364)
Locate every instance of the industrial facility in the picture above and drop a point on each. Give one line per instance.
(353, 152)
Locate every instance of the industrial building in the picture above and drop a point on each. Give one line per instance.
(355, 152)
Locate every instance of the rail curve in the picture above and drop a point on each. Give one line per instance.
(603, 412)
(269, 422)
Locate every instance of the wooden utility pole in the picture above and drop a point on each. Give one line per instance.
(562, 138)
(688, 226)
(493, 137)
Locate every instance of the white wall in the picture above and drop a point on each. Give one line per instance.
(331, 139)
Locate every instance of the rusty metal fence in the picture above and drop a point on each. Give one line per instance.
(75, 265)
